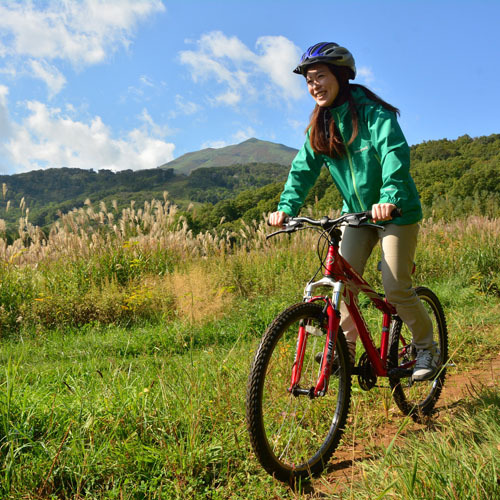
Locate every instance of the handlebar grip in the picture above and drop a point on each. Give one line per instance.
(397, 212)
(285, 221)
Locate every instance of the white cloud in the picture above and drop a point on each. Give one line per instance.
(365, 74)
(229, 98)
(183, 107)
(214, 144)
(156, 130)
(146, 81)
(49, 138)
(279, 57)
(297, 124)
(145, 90)
(203, 67)
(243, 135)
(219, 45)
(186, 107)
(81, 32)
(50, 75)
(240, 136)
(9, 70)
(231, 63)
(4, 92)
(5, 128)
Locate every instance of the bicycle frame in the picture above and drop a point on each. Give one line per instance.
(345, 283)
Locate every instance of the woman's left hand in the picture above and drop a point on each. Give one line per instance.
(382, 211)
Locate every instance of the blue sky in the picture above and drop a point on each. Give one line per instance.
(132, 84)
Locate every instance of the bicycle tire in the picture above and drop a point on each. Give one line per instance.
(294, 437)
(417, 399)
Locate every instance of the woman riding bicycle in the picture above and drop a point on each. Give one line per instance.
(356, 135)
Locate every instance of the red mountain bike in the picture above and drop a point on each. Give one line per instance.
(299, 387)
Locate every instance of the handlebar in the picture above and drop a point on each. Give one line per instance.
(357, 219)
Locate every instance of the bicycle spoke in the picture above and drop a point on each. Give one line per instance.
(294, 434)
(417, 398)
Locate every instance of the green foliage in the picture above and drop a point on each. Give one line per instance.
(158, 412)
(110, 288)
(246, 207)
(17, 289)
(457, 178)
(113, 392)
(49, 193)
(454, 178)
(109, 389)
(457, 459)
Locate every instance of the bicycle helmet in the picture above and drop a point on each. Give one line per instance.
(328, 53)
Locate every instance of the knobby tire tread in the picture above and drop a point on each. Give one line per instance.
(255, 386)
(424, 409)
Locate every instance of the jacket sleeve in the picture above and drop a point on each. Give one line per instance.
(304, 171)
(393, 154)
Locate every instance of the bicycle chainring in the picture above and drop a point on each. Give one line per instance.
(366, 374)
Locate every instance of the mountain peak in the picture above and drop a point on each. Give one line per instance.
(249, 151)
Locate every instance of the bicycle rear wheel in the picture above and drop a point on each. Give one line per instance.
(417, 399)
(294, 436)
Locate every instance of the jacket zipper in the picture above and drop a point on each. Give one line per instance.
(351, 168)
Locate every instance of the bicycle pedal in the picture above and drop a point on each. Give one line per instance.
(401, 372)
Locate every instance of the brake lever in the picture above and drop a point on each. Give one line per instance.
(275, 233)
(290, 227)
(355, 220)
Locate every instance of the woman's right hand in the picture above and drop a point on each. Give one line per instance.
(277, 219)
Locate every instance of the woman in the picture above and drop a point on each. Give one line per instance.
(356, 135)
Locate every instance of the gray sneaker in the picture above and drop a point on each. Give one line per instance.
(427, 363)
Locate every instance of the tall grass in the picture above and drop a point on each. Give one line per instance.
(146, 265)
(129, 341)
(457, 458)
(158, 412)
(110, 415)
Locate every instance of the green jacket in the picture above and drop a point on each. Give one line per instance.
(376, 168)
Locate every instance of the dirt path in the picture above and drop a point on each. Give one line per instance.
(345, 465)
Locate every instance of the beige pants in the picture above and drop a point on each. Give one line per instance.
(398, 251)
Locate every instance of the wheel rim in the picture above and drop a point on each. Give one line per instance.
(300, 430)
(418, 396)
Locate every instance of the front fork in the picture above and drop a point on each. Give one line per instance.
(332, 313)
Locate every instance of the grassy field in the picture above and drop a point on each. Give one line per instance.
(145, 397)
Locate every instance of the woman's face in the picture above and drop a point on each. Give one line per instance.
(322, 84)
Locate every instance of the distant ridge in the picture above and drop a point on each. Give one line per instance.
(465, 170)
(250, 151)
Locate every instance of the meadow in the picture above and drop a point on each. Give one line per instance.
(126, 342)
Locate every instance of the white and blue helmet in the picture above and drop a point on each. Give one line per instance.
(327, 53)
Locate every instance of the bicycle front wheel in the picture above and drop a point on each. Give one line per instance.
(294, 436)
(417, 399)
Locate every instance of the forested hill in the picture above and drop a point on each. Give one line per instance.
(463, 168)
(47, 192)
(250, 151)
(453, 177)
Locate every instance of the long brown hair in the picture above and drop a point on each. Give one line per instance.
(332, 144)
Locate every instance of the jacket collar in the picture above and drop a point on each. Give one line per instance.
(340, 110)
